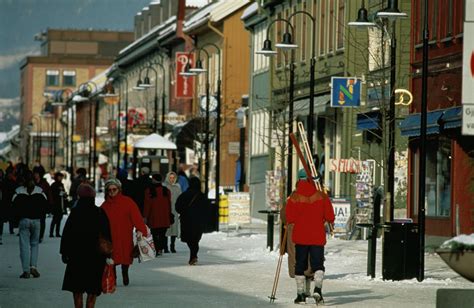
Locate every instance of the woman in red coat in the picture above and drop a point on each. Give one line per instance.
(157, 211)
(123, 216)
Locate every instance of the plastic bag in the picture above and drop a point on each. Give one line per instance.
(108, 279)
(146, 246)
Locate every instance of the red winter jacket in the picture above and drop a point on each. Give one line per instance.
(308, 209)
(157, 209)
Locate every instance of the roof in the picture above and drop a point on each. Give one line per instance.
(226, 8)
(197, 3)
(155, 141)
(199, 18)
(250, 11)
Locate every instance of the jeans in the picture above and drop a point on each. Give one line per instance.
(316, 256)
(29, 240)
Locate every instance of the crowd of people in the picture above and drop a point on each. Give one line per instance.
(169, 209)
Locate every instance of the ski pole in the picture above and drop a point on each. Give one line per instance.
(278, 269)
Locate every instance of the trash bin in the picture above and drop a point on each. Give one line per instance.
(223, 209)
(401, 251)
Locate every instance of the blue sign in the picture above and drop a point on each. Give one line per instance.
(345, 92)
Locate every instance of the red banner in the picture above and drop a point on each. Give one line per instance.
(184, 84)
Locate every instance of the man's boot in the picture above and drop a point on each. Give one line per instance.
(318, 282)
(126, 279)
(300, 297)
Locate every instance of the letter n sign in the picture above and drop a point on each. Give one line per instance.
(345, 92)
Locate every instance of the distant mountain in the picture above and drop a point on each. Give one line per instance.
(20, 20)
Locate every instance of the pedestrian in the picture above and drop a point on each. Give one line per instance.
(29, 205)
(290, 247)
(192, 206)
(175, 189)
(140, 184)
(59, 197)
(3, 207)
(39, 168)
(157, 212)
(80, 178)
(128, 188)
(123, 215)
(41, 182)
(79, 248)
(308, 210)
(183, 180)
(8, 190)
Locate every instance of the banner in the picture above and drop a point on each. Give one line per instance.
(184, 84)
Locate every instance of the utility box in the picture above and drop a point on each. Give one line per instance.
(401, 251)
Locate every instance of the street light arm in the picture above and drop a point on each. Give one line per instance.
(313, 21)
(288, 24)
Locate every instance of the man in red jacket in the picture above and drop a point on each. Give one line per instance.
(308, 209)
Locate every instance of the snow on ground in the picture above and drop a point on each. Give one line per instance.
(234, 270)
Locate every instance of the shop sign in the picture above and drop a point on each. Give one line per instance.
(345, 92)
(184, 84)
(346, 165)
(342, 212)
(239, 208)
(468, 119)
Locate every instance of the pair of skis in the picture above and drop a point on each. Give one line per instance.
(311, 175)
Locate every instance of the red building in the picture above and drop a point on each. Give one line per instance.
(450, 155)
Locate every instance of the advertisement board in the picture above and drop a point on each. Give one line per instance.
(239, 208)
(342, 211)
(184, 84)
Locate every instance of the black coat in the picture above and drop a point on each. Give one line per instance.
(79, 244)
(59, 201)
(193, 209)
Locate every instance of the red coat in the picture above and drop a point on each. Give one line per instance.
(157, 210)
(308, 209)
(123, 215)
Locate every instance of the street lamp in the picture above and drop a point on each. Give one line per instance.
(390, 14)
(146, 84)
(122, 78)
(267, 51)
(198, 69)
(36, 117)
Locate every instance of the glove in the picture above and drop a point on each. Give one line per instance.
(110, 261)
(139, 234)
(65, 259)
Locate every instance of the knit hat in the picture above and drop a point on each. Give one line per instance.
(302, 174)
(85, 191)
(114, 182)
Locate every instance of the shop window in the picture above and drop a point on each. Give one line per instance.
(260, 63)
(438, 178)
(260, 122)
(52, 78)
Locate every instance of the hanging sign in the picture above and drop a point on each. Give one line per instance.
(184, 84)
(345, 92)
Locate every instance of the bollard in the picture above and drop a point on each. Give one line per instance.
(270, 226)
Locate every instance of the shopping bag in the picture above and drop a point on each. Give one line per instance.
(146, 246)
(108, 279)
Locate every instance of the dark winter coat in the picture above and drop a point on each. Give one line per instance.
(192, 206)
(29, 205)
(8, 190)
(79, 246)
(78, 180)
(59, 201)
(140, 184)
(308, 209)
(157, 206)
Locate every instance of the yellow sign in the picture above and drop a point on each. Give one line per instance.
(76, 138)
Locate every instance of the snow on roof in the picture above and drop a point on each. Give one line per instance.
(249, 11)
(146, 8)
(154, 30)
(196, 3)
(164, 32)
(155, 2)
(460, 242)
(155, 141)
(199, 17)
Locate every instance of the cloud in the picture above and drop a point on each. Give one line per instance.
(10, 60)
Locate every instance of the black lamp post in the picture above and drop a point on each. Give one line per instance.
(145, 85)
(267, 51)
(122, 78)
(199, 69)
(163, 99)
(423, 124)
(36, 117)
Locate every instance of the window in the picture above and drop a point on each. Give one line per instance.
(316, 20)
(332, 18)
(52, 78)
(438, 178)
(434, 21)
(260, 62)
(260, 123)
(69, 78)
(322, 28)
(340, 24)
(278, 35)
(449, 21)
(304, 32)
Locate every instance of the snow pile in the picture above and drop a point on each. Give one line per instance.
(461, 243)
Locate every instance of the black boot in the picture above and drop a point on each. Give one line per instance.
(318, 295)
(172, 247)
(300, 299)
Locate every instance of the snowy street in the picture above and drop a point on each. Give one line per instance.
(234, 270)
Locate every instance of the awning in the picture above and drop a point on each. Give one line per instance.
(410, 127)
(301, 107)
(155, 141)
(369, 120)
(452, 118)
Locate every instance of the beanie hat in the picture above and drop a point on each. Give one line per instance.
(113, 181)
(302, 174)
(85, 191)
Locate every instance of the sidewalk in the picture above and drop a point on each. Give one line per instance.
(234, 270)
